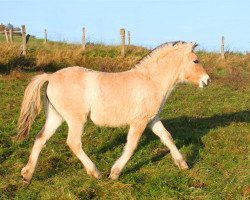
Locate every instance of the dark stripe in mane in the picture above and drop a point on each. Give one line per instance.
(160, 46)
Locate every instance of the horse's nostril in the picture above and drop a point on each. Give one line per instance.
(204, 81)
(208, 81)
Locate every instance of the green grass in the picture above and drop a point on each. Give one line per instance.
(210, 127)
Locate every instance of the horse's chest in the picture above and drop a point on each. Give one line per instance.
(163, 102)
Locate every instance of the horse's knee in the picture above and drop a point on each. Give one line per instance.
(40, 141)
(74, 145)
(41, 133)
(42, 137)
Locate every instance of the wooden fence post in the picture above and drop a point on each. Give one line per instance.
(222, 47)
(122, 33)
(24, 48)
(11, 35)
(129, 38)
(45, 36)
(6, 35)
(83, 39)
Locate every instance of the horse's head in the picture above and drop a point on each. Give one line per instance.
(193, 70)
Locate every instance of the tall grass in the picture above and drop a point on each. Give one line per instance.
(54, 56)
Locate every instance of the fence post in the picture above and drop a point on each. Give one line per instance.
(83, 39)
(222, 47)
(45, 36)
(11, 35)
(24, 50)
(6, 35)
(122, 33)
(129, 38)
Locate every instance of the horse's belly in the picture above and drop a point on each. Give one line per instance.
(107, 121)
(111, 117)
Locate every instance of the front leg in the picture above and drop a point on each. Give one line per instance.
(158, 128)
(134, 134)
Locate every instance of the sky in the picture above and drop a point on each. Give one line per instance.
(150, 22)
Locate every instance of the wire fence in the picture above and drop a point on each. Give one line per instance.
(125, 38)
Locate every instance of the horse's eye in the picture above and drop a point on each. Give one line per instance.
(196, 61)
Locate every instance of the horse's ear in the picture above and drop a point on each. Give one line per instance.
(194, 46)
(190, 47)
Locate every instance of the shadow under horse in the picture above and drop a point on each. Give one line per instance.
(186, 131)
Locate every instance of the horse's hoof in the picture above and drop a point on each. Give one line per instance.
(26, 182)
(114, 174)
(27, 175)
(181, 164)
(95, 173)
(98, 175)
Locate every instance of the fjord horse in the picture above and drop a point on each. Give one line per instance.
(134, 98)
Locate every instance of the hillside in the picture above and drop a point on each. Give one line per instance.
(210, 126)
(56, 55)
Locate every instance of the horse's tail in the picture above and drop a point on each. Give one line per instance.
(31, 105)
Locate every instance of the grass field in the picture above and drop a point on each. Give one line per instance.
(54, 56)
(210, 127)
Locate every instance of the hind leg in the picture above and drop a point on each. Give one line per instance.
(53, 121)
(75, 144)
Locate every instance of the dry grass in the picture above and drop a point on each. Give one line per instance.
(210, 127)
(54, 56)
(234, 71)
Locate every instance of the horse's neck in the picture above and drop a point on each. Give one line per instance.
(164, 74)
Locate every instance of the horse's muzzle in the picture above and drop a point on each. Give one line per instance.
(204, 81)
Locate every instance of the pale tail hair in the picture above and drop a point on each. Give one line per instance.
(31, 105)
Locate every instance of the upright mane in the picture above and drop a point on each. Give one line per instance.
(165, 48)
